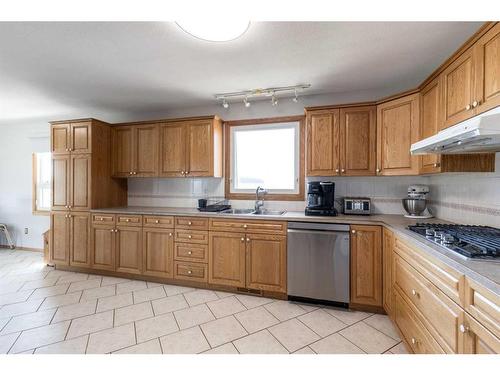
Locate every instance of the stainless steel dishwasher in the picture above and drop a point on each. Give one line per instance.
(318, 262)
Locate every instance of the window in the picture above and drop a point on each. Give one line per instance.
(41, 183)
(267, 154)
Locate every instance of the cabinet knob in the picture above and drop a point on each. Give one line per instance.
(190, 236)
(463, 328)
(187, 172)
(111, 230)
(245, 226)
(337, 170)
(415, 293)
(190, 252)
(157, 221)
(377, 170)
(467, 107)
(101, 219)
(414, 341)
(342, 170)
(189, 223)
(170, 234)
(66, 207)
(67, 149)
(182, 173)
(353, 231)
(71, 149)
(475, 103)
(242, 239)
(70, 206)
(190, 272)
(248, 239)
(127, 220)
(130, 173)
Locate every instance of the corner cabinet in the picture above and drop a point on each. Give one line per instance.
(341, 142)
(398, 127)
(366, 265)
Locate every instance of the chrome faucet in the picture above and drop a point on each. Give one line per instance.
(259, 199)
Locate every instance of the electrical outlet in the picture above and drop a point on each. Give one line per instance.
(25, 230)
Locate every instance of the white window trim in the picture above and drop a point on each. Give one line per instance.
(37, 187)
(280, 125)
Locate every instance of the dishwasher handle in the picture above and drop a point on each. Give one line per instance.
(305, 231)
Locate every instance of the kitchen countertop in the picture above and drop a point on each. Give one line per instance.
(483, 272)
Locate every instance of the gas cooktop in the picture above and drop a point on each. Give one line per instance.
(470, 241)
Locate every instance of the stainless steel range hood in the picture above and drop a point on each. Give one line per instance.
(478, 134)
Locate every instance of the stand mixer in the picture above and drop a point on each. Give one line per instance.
(416, 202)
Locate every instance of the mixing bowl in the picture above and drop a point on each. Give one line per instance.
(414, 206)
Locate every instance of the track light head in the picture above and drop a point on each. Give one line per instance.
(246, 102)
(274, 101)
(296, 98)
(225, 104)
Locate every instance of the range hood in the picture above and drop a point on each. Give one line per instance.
(475, 135)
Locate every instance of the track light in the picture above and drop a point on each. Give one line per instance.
(274, 101)
(296, 98)
(246, 102)
(225, 104)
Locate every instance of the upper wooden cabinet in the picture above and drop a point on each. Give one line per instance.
(191, 148)
(135, 151)
(398, 128)
(487, 69)
(341, 141)
(71, 137)
(366, 265)
(431, 122)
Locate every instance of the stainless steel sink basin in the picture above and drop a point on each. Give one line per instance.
(269, 212)
(239, 211)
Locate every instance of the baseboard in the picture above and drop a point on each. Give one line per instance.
(22, 248)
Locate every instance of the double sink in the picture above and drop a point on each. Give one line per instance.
(250, 211)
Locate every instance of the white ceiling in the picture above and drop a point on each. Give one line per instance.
(53, 70)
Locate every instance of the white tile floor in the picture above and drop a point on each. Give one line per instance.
(43, 310)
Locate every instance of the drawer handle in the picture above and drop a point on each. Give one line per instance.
(190, 236)
(415, 293)
(414, 341)
(157, 221)
(463, 328)
(190, 272)
(190, 253)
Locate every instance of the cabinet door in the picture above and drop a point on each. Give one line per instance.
(79, 239)
(200, 151)
(172, 150)
(60, 234)
(59, 139)
(323, 153)
(157, 247)
(80, 184)
(366, 265)
(487, 70)
(60, 182)
(477, 338)
(103, 247)
(358, 138)
(226, 256)
(146, 150)
(266, 262)
(129, 249)
(397, 129)
(123, 151)
(458, 90)
(430, 122)
(80, 138)
(387, 261)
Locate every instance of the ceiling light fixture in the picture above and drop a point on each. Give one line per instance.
(273, 92)
(208, 30)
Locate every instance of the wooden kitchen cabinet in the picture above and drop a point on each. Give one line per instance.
(226, 259)
(487, 70)
(60, 183)
(157, 247)
(358, 138)
(387, 261)
(103, 247)
(71, 137)
(60, 138)
(323, 135)
(366, 265)
(458, 89)
(398, 128)
(59, 238)
(430, 122)
(79, 239)
(128, 249)
(80, 182)
(135, 150)
(266, 262)
(191, 148)
(477, 339)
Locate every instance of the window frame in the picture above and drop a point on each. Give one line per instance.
(228, 152)
(34, 192)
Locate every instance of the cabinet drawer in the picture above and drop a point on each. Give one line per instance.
(191, 236)
(190, 271)
(129, 220)
(158, 221)
(417, 337)
(191, 252)
(197, 223)
(248, 226)
(440, 313)
(483, 305)
(447, 279)
(103, 219)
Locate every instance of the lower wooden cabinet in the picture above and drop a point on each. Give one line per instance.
(157, 252)
(387, 260)
(103, 247)
(253, 261)
(128, 242)
(70, 238)
(366, 265)
(478, 339)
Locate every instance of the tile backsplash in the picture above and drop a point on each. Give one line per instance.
(469, 198)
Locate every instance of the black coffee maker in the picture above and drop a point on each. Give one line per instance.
(321, 199)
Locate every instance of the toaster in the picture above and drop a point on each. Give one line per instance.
(357, 206)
